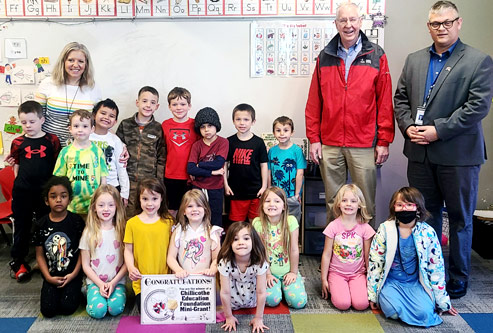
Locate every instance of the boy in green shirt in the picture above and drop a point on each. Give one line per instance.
(82, 162)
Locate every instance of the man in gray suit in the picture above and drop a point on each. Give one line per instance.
(443, 94)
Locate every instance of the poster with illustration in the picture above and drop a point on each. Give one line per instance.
(10, 97)
(23, 75)
(169, 300)
(28, 95)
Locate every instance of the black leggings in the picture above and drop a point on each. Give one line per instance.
(60, 301)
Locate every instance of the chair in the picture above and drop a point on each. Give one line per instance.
(6, 183)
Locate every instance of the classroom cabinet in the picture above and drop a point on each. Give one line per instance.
(314, 218)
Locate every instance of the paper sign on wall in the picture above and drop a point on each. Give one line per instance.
(15, 48)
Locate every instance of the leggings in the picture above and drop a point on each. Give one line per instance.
(97, 305)
(294, 294)
(347, 290)
(60, 301)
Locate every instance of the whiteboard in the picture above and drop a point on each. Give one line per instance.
(209, 58)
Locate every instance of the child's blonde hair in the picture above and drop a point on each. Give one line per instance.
(264, 219)
(199, 197)
(93, 225)
(362, 215)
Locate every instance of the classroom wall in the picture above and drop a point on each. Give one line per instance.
(210, 57)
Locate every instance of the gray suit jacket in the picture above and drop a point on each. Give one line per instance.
(459, 101)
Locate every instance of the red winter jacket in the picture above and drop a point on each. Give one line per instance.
(357, 113)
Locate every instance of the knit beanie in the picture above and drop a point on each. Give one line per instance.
(207, 115)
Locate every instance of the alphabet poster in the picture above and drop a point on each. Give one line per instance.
(179, 8)
(291, 48)
(169, 300)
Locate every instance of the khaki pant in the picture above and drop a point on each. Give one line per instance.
(360, 162)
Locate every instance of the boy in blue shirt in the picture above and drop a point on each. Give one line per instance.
(286, 164)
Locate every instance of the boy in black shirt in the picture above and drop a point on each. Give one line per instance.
(248, 170)
(34, 155)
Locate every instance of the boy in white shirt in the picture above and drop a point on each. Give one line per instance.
(105, 115)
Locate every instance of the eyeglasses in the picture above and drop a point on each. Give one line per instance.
(446, 24)
(407, 205)
(346, 19)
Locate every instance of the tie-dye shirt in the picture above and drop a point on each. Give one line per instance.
(84, 168)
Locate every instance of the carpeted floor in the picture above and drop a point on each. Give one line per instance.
(19, 310)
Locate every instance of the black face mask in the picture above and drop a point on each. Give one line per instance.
(406, 216)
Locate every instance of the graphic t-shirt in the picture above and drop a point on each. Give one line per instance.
(195, 248)
(348, 256)
(243, 284)
(277, 255)
(112, 147)
(179, 138)
(244, 157)
(106, 261)
(36, 159)
(60, 242)
(283, 165)
(84, 168)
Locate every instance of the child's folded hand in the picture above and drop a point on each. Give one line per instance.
(65, 280)
(56, 280)
(181, 274)
(210, 271)
(134, 274)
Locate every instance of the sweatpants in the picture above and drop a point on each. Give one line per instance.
(347, 290)
(294, 294)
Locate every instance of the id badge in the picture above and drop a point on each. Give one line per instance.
(420, 113)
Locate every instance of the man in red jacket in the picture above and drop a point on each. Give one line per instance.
(349, 115)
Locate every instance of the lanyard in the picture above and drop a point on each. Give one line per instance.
(431, 72)
(399, 253)
(429, 93)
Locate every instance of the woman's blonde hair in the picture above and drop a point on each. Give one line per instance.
(199, 197)
(264, 219)
(93, 225)
(59, 75)
(362, 215)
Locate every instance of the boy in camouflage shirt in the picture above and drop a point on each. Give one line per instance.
(144, 139)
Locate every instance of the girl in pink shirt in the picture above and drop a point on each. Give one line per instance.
(345, 256)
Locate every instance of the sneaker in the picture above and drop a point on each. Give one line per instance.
(19, 271)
